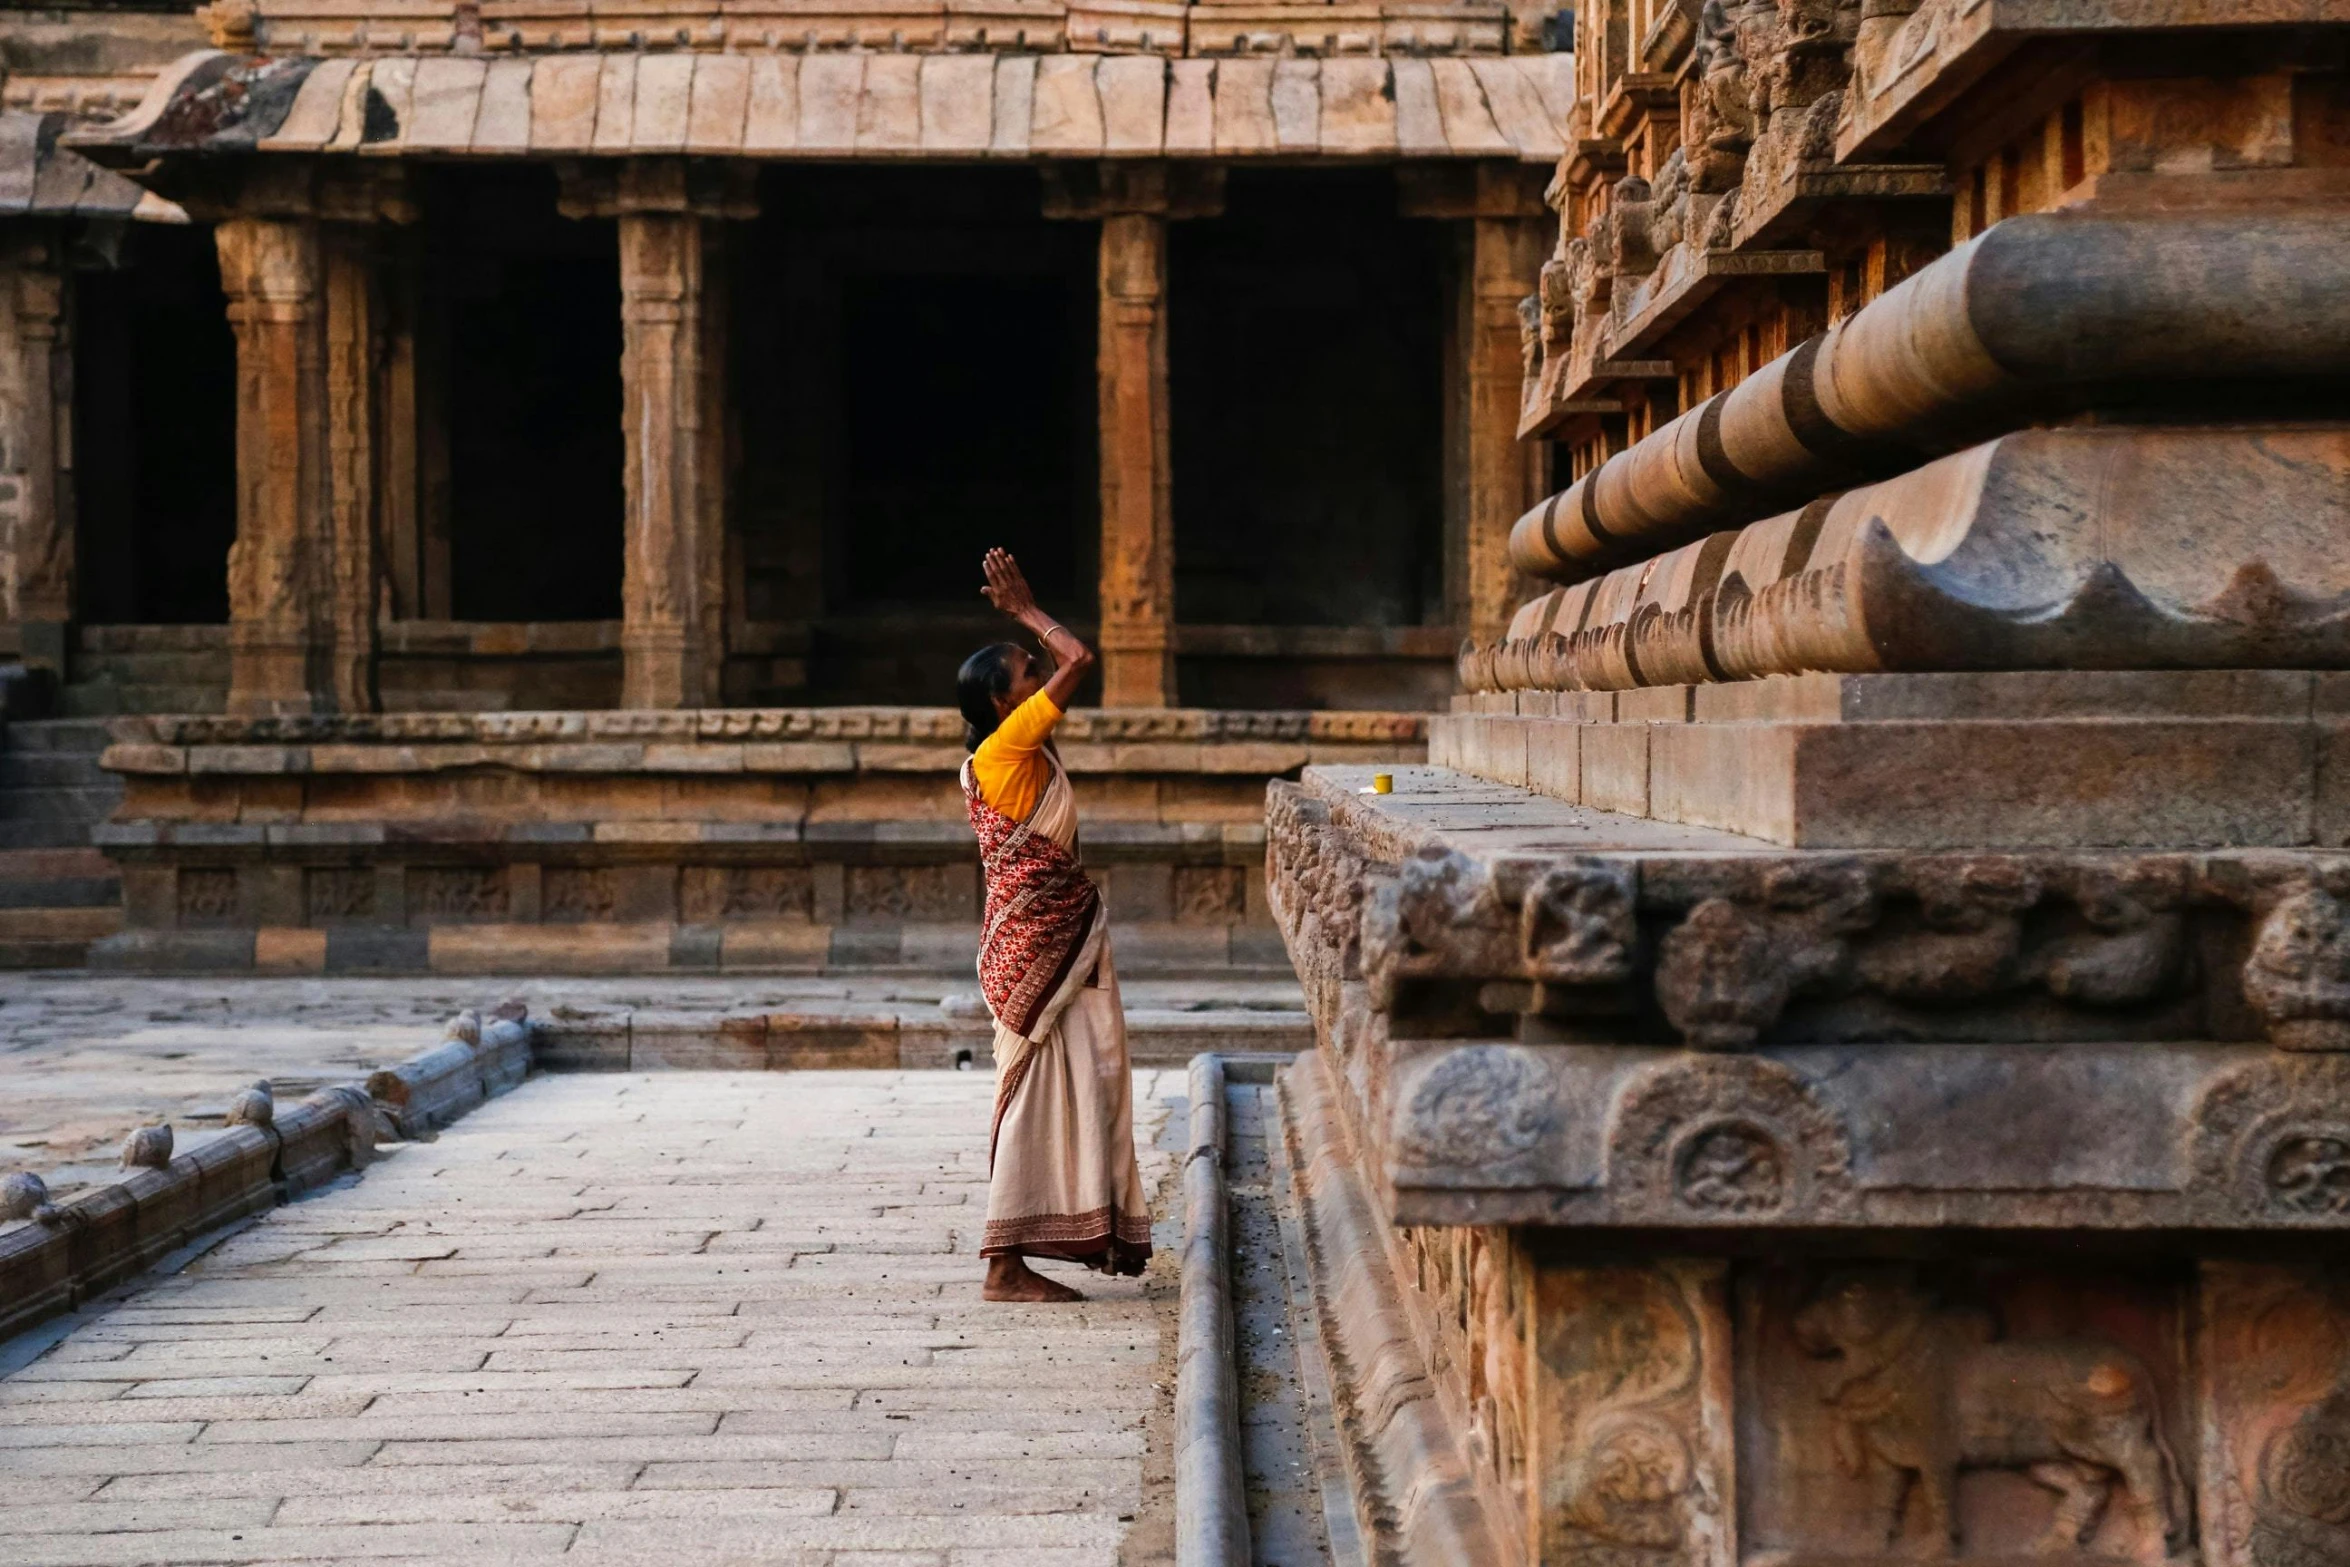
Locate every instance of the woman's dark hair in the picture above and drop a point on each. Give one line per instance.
(985, 675)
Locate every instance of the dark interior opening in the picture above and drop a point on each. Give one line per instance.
(1305, 368)
(154, 432)
(914, 376)
(524, 306)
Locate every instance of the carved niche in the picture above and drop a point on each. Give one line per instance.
(2276, 1134)
(1718, 1139)
(1991, 1413)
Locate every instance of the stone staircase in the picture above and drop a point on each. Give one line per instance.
(57, 893)
(148, 669)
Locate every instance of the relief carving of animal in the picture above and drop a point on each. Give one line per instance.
(1916, 1392)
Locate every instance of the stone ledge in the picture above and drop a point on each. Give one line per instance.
(2138, 1043)
(1473, 907)
(930, 726)
(650, 947)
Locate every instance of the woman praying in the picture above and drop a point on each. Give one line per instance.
(1063, 1181)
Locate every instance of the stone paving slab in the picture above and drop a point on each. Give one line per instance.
(607, 1382)
(88, 1056)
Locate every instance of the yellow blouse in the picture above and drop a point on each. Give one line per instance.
(1010, 765)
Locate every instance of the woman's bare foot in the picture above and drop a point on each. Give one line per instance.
(1011, 1279)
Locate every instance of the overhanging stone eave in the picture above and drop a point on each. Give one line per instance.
(938, 107)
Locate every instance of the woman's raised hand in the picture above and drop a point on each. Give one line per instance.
(1006, 588)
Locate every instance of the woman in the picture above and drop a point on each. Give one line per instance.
(1063, 1181)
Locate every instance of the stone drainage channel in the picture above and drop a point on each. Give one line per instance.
(1259, 1481)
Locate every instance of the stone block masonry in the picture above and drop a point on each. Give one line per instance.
(613, 1317)
(744, 841)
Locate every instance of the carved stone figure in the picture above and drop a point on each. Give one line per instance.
(1724, 121)
(2298, 976)
(1621, 234)
(1915, 1392)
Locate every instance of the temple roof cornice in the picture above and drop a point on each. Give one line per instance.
(851, 105)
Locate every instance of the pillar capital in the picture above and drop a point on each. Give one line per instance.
(611, 188)
(1133, 186)
(1487, 189)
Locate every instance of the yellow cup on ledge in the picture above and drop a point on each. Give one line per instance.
(1383, 783)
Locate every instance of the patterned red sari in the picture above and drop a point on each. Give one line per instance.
(1040, 908)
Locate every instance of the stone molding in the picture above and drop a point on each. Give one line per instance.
(2045, 549)
(694, 95)
(1689, 1030)
(2065, 303)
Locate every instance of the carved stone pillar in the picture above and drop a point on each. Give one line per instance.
(348, 559)
(302, 574)
(272, 269)
(672, 592)
(1505, 475)
(39, 540)
(1138, 525)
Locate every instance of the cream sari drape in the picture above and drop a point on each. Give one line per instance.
(1064, 1180)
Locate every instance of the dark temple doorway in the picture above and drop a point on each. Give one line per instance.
(154, 432)
(914, 368)
(520, 466)
(1306, 382)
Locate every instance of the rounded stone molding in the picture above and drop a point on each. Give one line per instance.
(1730, 1139)
(1479, 1107)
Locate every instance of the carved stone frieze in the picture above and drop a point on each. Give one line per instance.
(1706, 939)
(2084, 1032)
(1947, 1412)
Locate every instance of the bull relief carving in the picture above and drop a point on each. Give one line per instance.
(1915, 1393)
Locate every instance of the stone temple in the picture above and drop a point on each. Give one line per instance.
(1842, 1056)
(454, 380)
(1840, 1053)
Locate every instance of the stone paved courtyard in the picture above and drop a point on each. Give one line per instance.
(618, 1318)
(88, 1056)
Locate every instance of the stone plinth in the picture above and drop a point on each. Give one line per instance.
(1734, 1202)
(740, 840)
(2020, 758)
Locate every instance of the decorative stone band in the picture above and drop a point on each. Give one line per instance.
(893, 104)
(902, 725)
(1576, 925)
(1550, 1024)
(69, 1252)
(2049, 549)
(2037, 313)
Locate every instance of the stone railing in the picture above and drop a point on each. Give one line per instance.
(56, 1256)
